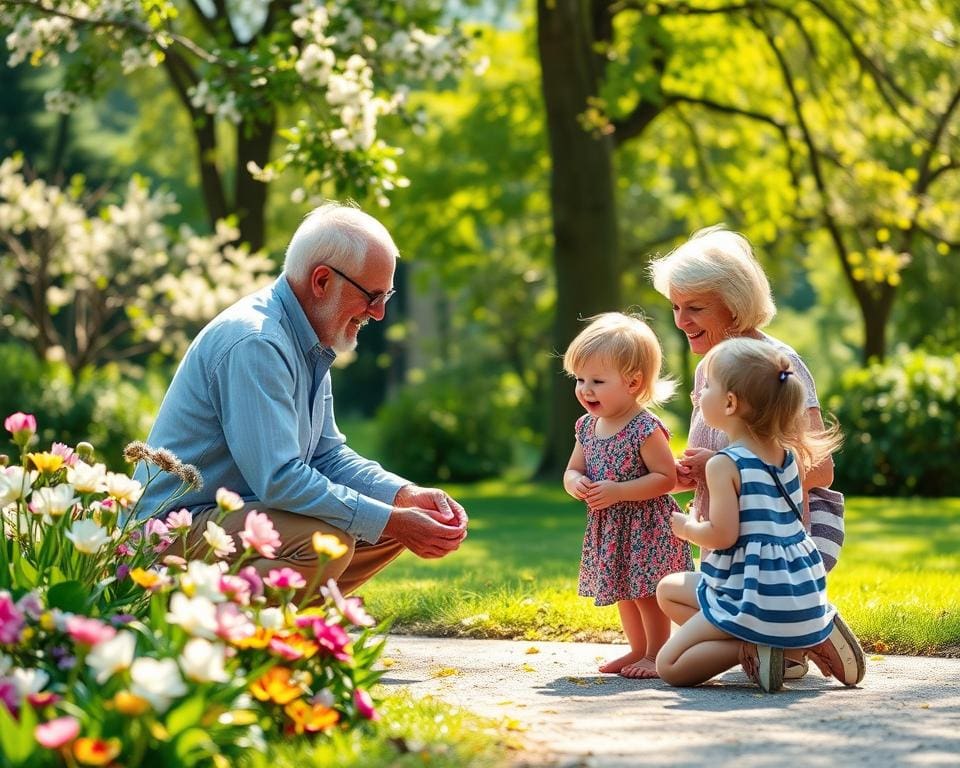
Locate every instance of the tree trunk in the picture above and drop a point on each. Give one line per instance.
(254, 139)
(875, 308)
(582, 199)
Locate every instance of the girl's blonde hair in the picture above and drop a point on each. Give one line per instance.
(716, 260)
(763, 379)
(630, 345)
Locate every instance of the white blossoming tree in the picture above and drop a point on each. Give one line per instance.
(88, 286)
(318, 76)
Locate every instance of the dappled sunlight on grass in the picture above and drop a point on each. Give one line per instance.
(897, 584)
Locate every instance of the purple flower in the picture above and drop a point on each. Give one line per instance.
(9, 695)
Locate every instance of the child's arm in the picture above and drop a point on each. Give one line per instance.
(575, 480)
(723, 527)
(660, 480)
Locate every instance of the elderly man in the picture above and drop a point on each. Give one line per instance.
(251, 405)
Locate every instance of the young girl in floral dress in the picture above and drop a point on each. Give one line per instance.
(622, 467)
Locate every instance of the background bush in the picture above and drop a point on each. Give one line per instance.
(901, 420)
(103, 405)
(451, 427)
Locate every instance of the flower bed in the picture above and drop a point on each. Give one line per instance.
(121, 645)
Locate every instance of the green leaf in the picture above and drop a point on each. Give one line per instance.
(16, 738)
(68, 596)
(193, 746)
(185, 715)
(24, 574)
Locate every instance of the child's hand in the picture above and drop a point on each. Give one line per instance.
(685, 479)
(582, 487)
(678, 522)
(602, 494)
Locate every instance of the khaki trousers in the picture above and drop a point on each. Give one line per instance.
(361, 561)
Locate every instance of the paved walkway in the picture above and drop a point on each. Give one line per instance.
(905, 713)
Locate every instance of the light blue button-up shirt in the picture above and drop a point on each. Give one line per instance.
(251, 406)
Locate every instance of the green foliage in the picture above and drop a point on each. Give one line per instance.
(901, 420)
(100, 406)
(452, 426)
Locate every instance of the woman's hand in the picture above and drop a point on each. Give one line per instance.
(690, 467)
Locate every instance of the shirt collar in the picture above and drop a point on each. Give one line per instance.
(305, 335)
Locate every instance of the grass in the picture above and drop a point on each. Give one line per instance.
(411, 733)
(897, 583)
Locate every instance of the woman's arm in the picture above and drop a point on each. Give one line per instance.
(820, 476)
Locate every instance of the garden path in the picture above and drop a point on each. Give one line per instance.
(906, 712)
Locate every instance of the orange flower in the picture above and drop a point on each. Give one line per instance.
(310, 718)
(95, 751)
(130, 704)
(277, 685)
(305, 645)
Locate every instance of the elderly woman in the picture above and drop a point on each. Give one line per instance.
(718, 290)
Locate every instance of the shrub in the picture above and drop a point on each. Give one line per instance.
(451, 427)
(99, 406)
(901, 420)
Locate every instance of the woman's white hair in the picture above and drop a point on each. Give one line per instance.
(716, 260)
(335, 234)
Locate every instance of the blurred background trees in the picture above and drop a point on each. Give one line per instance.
(581, 138)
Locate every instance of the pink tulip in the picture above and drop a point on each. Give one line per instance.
(258, 533)
(89, 631)
(22, 426)
(56, 733)
(179, 521)
(285, 578)
(11, 620)
(364, 704)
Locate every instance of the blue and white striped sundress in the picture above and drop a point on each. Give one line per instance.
(770, 586)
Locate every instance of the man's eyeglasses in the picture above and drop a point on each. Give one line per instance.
(375, 299)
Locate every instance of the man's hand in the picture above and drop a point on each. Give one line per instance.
(427, 521)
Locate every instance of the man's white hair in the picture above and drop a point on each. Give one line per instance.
(335, 234)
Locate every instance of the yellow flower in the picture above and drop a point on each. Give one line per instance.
(95, 751)
(310, 718)
(47, 463)
(277, 685)
(259, 639)
(47, 621)
(130, 704)
(330, 545)
(145, 579)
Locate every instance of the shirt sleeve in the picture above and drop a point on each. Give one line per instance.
(252, 390)
(812, 401)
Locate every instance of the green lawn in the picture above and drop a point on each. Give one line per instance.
(897, 583)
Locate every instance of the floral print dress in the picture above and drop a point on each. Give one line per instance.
(630, 546)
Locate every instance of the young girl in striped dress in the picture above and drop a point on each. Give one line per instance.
(761, 594)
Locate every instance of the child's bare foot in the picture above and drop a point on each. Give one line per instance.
(618, 664)
(644, 669)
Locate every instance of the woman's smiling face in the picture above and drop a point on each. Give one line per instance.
(703, 317)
